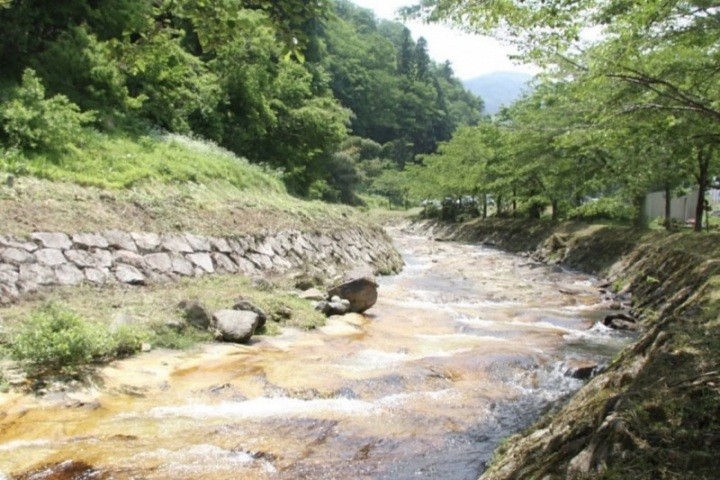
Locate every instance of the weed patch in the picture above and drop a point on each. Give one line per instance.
(57, 340)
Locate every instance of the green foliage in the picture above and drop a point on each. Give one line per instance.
(162, 336)
(606, 208)
(55, 340)
(31, 121)
(113, 161)
(86, 71)
(173, 84)
(128, 339)
(396, 92)
(280, 83)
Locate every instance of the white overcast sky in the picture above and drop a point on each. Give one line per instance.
(470, 55)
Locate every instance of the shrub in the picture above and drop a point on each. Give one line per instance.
(55, 340)
(32, 122)
(606, 208)
(127, 340)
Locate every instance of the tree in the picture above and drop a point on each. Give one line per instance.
(422, 60)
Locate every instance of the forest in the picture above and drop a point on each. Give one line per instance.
(333, 100)
(345, 107)
(628, 103)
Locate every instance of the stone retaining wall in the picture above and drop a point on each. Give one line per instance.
(46, 259)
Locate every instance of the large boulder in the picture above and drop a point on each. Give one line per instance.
(244, 304)
(236, 326)
(359, 288)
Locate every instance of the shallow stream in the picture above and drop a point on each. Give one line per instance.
(465, 346)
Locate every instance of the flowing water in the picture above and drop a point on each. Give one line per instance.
(464, 347)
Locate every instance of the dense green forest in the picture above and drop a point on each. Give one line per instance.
(335, 100)
(629, 103)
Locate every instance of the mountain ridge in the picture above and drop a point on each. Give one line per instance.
(498, 89)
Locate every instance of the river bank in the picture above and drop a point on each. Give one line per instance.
(653, 413)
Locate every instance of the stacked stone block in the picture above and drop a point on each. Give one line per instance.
(46, 259)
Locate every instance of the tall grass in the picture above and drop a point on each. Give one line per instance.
(111, 161)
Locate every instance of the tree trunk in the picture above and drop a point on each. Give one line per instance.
(640, 220)
(668, 204)
(514, 202)
(555, 212)
(484, 205)
(703, 164)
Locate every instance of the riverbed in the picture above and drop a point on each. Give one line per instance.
(466, 346)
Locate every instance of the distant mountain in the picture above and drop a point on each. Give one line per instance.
(498, 88)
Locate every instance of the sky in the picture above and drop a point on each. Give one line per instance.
(470, 55)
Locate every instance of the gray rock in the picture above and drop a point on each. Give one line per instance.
(102, 258)
(300, 245)
(52, 240)
(198, 243)
(245, 265)
(313, 294)
(96, 275)
(618, 324)
(336, 306)
(182, 266)
(129, 274)
(120, 240)
(236, 246)
(146, 242)
(359, 288)
(220, 245)
(129, 257)
(584, 371)
(69, 274)
(281, 264)
(203, 261)
(265, 247)
(8, 274)
(27, 286)
(245, 305)
(16, 256)
(276, 246)
(89, 240)
(81, 258)
(159, 261)
(50, 257)
(236, 326)
(159, 277)
(20, 244)
(196, 314)
(176, 243)
(223, 262)
(8, 293)
(262, 262)
(33, 273)
(621, 321)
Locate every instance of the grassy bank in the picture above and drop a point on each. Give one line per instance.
(153, 183)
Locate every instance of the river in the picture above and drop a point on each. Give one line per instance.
(466, 346)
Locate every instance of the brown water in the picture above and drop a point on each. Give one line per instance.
(467, 345)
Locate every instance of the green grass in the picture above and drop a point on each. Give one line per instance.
(117, 162)
(67, 330)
